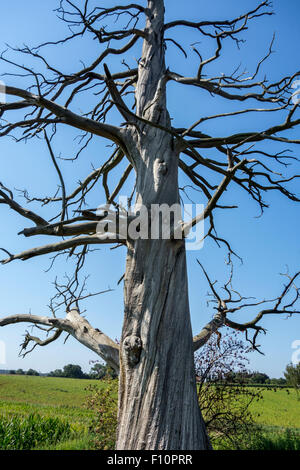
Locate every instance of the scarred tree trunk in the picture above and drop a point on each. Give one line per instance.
(158, 407)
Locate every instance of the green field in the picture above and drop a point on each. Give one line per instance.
(66, 399)
(48, 396)
(278, 408)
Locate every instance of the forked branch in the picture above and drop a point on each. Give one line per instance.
(287, 303)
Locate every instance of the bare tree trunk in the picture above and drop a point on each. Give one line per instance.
(158, 406)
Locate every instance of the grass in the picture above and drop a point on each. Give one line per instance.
(85, 442)
(263, 438)
(65, 399)
(48, 396)
(43, 390)
(287, 439)
(23, 433)
(279, 408)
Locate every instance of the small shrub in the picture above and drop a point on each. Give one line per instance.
(224, 401)
(292, 375)
(104, 402)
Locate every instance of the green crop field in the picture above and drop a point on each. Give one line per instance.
(66, 399)
(47, 396)
(278, 408)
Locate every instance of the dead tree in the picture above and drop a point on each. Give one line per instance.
(158, 407)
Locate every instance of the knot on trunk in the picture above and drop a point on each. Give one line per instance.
(163, 167)
(132, 350)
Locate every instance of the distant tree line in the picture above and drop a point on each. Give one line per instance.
(100, 371)
(22, 372)
(291, 378)
(72, 371)
(254, 378)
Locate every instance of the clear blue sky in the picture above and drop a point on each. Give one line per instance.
(266, 244)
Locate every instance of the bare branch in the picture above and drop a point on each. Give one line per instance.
(76, 326)
(225, 24)
(235, 302)
(68, 117)
(37, 342)
(212, 327)
(63, 245)
(9, 200)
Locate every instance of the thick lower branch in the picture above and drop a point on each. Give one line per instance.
(77, 327)
(212, 327)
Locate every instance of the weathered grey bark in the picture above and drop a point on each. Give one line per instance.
(158, 406)
(92, 338)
